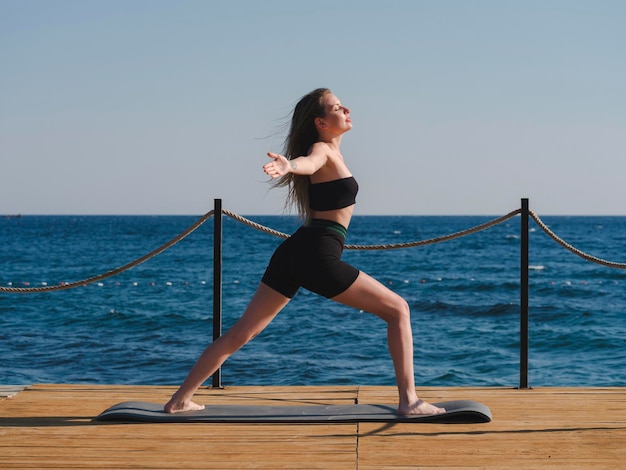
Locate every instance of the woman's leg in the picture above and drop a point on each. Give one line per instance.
(366, 293)
(264, 306)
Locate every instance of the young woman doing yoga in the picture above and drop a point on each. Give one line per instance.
(324, 191)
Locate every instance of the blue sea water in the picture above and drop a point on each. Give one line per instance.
(149, 324)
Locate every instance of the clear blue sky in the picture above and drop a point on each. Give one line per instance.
(459, 107)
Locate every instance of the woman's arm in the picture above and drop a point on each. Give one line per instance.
(308, 165)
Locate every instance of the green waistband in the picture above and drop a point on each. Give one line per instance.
(329, 224)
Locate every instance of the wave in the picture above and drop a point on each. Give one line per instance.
(474, 310)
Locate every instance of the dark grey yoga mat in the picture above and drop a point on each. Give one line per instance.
(458, 411)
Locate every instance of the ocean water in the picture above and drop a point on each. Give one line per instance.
(148, 325)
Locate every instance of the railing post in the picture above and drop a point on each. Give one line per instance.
(217, 282)
(524, 259)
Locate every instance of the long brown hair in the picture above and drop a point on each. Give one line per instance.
(302, 135)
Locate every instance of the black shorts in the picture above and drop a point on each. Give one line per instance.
(311, 258)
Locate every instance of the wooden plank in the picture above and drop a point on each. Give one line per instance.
(9, 391)
(50, 426)
(540, 428)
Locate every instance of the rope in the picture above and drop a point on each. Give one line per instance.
(270, 231)
(393, 246)
(443, 238)
(576, 251)
(113, 272)
(252, 224)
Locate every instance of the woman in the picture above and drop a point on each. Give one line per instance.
(322, 187)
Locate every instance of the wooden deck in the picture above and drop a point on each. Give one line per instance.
(50, 426)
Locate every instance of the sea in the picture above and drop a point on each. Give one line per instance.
(147, 325)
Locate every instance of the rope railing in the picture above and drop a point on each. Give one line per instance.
(257, 226)
(112, 272)
(524, 212)
(393, 246)
(262, 228)
(576, 251)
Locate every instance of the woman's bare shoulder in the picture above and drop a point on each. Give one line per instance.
(320, 147)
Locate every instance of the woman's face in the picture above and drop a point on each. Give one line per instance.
(337, 117)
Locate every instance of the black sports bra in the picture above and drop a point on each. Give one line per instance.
(331, 195)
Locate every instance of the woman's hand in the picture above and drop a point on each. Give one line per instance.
(279, 166)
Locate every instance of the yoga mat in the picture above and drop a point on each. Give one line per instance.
(457, 411)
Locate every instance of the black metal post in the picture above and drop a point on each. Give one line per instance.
(524, 258)
(217, 282)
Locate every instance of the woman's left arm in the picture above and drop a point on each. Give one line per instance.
(280, 166)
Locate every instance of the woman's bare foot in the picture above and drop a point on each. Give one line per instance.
(420, 407)
(176, 406)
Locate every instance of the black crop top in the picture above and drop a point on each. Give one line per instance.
(331, 195)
